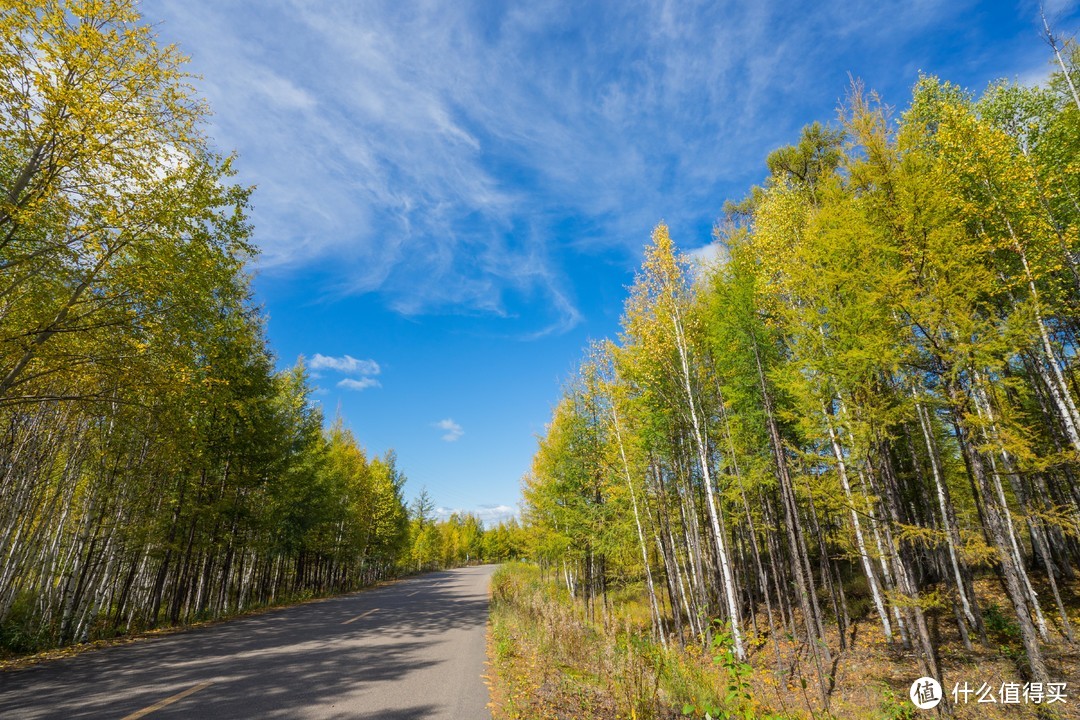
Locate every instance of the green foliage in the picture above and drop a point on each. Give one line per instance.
(879, 375)
(736, 702)
(459, 540)
(999, 623)
(153, 466)
(894, 708)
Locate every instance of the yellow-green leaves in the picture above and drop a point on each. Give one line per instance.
(113, 210)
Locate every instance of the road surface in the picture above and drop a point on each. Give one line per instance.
(408, 651)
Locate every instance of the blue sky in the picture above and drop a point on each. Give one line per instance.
(452, 196)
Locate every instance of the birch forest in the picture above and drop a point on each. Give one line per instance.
(864, 410)
(154, 467)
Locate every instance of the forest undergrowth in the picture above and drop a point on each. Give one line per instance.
(548, 661)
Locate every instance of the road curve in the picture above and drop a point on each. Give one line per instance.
(408, 651)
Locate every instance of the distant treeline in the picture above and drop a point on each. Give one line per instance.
(457, 540)
(154, 468)
(876, 379)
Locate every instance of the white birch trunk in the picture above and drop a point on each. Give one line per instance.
(1059, 389)
(950, 531)
(714, 519)
(985, 412)
(864, 556)
(1061, 62)
(657, 622)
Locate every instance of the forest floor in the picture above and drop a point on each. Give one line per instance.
(549, 661)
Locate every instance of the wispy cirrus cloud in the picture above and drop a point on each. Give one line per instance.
(453, 431)
(344, 364)
(452, 158)
(358, 384)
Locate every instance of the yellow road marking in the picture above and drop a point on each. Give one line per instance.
(361, 615)
(167, 701)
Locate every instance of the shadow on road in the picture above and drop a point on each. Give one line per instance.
(272, 665)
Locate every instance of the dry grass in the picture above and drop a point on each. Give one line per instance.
(548, 662)
(537, 651)
(872, 678)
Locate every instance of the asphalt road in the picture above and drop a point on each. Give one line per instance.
(413, 650)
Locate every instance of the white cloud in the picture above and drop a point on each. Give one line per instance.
(346, 364)
(443, 147)
(1057, 7)
(704, 259)
(709, 254)
(494, 514)
(491, 515)
(363, 370)
(361, 384)
(453, 430)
